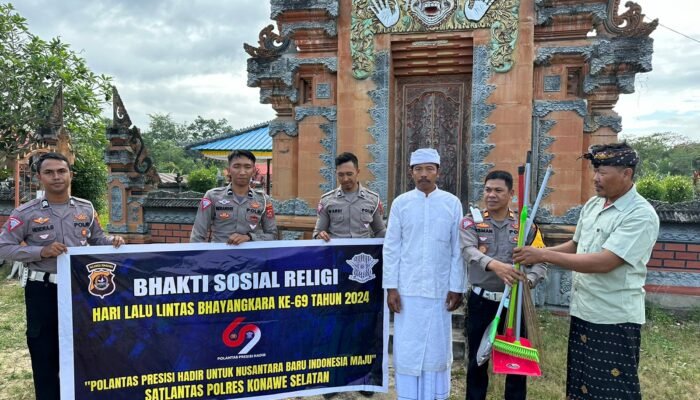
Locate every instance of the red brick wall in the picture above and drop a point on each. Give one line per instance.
(675, 256)
(171, 233)
(3, 219)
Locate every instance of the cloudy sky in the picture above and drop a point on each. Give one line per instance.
(186, 58)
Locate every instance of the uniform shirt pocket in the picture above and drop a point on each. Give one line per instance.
(336, 214)
(42, 236)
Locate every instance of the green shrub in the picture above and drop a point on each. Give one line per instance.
(651, 187)
(201, 180)
(678, 189)
(90, 179)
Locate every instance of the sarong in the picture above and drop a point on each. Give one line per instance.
(602, 361)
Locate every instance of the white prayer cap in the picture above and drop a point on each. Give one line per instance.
(423, 156)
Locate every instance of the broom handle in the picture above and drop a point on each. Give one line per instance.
(540, 194)
(521, 242)
(520, 312)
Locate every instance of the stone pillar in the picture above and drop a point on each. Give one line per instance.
(131, 176)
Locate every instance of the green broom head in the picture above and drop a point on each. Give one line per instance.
(516, 349)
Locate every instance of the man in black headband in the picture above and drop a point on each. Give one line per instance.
(614, 237)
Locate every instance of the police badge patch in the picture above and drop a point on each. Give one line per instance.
(362, 267)
(13, 223)
(101, 278)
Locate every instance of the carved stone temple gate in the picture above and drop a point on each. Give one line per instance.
(482, 81)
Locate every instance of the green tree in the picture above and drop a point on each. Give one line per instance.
(32, 70)
(202, 129)
(665, 154)
(90, 179)
(165, 140)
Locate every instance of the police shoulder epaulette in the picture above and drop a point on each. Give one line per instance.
(216, 190)
(29, 204)
(80, 200)
(375, 194)
(329, 193)
(262, 194)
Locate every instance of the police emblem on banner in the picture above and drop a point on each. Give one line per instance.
(362, 267)
(101, 278)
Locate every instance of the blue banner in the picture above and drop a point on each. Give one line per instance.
(210, 321)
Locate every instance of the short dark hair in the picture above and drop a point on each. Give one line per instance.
(345, 157)
(241, 153)
(502, 175)
(51, 156)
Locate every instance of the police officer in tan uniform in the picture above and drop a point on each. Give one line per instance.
(48, 226)
(351, 210)
(487, 246)
(235, 213)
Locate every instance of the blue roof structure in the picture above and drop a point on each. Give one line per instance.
(256, 139)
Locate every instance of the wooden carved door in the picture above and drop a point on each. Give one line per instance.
(434, 112)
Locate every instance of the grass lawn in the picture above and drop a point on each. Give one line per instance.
(670, 364)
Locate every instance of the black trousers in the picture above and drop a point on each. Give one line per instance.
(42, 337)
(480, 313)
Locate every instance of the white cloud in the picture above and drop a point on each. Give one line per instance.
(186, 58)
(668, 98)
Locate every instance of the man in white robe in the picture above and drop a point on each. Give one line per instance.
(424, 278)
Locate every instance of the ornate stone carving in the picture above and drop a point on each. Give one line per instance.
(501, 19)
(594, 122)
(630, 23)
(679, 233)
(624, 82)
(283, 68)
(328, 157)
(543, 107)
(634, 52)
(480, 129)
(269, 94)
(289, 128)
(545, 54)
(266, 40)
(279, 6)
(292, 235)
(116, 212)
(552, 83)
(542, 140)
(682, 279)
(293, 207)
(120, 117)
(379, 130)
(117, 228)
(302, 112)
(545, 14)
(682, 213)
(323, 90)
(431, 13)
(169, 216)
(330, 27)
(557, 287)
(545, 216)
